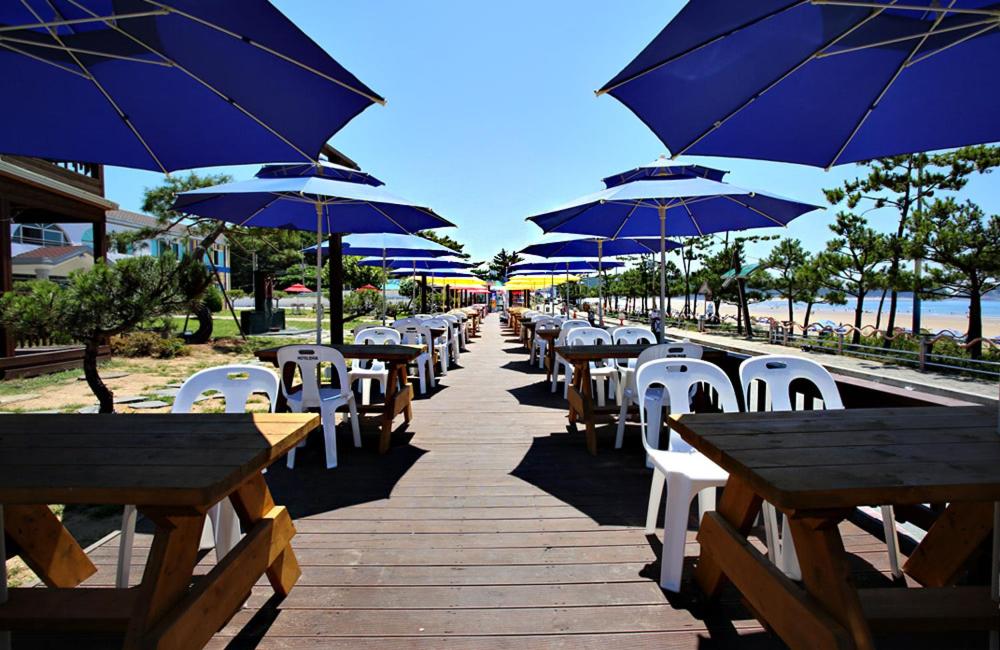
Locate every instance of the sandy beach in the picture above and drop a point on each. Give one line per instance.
(958, 323)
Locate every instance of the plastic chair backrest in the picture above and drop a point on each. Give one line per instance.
(378, 336)
(777, 372)
(439, 323)
(548, 325)
(365, 326)
(308, 358)
(414, 333)
(677, 376)
(633, 335)
(588, 336)
(236, 383)
(568, 325)
(423, 317)
(669, 351)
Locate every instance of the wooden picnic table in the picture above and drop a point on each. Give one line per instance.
(398, 392)
(174, 467)
(580, 392)
(816, 467)
(550, 336)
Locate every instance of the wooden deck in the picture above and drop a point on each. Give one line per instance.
(487, 525)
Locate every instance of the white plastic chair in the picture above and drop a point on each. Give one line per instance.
(415, 333)
(538, 344)
(685, 471)
(442, 344)
(325, 398)
(222, 528)
(368, 370)
(559, 361)
(774, 374)
(454, 334)
(656, 399)
(629, 336)
(463, 319)
(603, 373)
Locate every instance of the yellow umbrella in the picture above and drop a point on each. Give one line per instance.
(456, 283)
(517, 283)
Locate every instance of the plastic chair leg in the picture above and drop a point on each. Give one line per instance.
(125, 547)
(675, 517)
(652, 432)
(227, 529)
(329, 420)
(567, 379)
(655, 494)
(622, 414)
(892, 541)
(422, 374)
(366, 391)
(706, 501)
(599, 390)
(355, 425)
(555, 376)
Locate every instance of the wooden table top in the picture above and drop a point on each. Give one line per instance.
(809, 460)
(398, 353)
(161, 459)
(580, 353)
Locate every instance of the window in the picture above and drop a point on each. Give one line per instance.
(41, 234)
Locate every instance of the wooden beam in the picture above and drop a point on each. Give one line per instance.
(100, 240)
(46, 546)
(336, 258)
(796, 617)
(253, 503)
(84, 609)
(930, 608)
(950, 542)
(739, 506)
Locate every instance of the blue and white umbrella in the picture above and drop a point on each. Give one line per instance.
(325, 197)
(670, 201)
(168, 84)
(823, 82)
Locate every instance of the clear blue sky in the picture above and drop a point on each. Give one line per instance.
(491, 115)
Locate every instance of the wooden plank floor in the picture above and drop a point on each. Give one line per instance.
(488, 526)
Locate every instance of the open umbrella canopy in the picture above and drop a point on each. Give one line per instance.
(417, 264)
(691, 206)
(293, 202)
(389, 245)
(434, 272)
(594, 248)
(822, 83)
(456, 283)
(298, 287)
(366, 287)
(168, 84)
(538, 281)
(563, 266)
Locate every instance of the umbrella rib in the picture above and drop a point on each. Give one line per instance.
(694, 221)
(847, 32)
(23, 41)
(232, 101)
(386, 215)
(7, 46)
(992, 22)
(370, 97)
(753, 209)
(885, 89)
(909, 7)
(695, 48)
(965, 38)
(260, 209)
(76, 21)
(635, 206)
(101, 88)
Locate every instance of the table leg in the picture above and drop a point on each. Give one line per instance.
(168, 572)
(826, 575)
(45, 545)
(398, 399)
(739, 506)
(949, 544)
(253, 503)
(550, 359)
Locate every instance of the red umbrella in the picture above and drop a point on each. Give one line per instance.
(367, 287)
(298, 287)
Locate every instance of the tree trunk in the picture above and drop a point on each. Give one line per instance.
(890, 323)
(791, 305)
(805, 325)
(881, 303)
(975, 323)
(105, 397)
(858, 313)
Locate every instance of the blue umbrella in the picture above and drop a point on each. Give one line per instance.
(821, 83)
(168, 84)
(596, 248)
(323, 197)
(556, 266)
(670, 204)
(416, 264)
(388, 245)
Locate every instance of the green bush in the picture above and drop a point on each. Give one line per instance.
(360, 303)
(213, 299)
(148, 344)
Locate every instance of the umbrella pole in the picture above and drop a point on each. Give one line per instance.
(319, 273)
(566, 292)
(600, 283)
(662, 209)
(384, 280)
